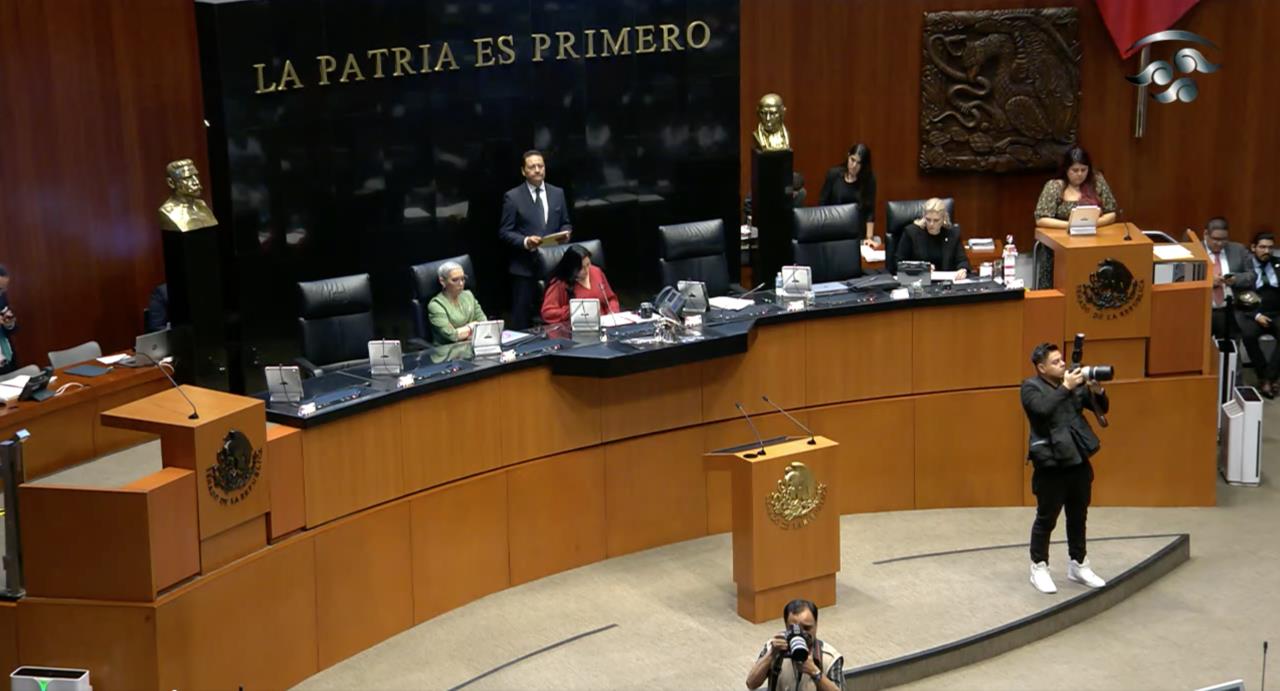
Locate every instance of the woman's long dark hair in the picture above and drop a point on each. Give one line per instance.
(569, 266)
(863, 152)
(1070, 157)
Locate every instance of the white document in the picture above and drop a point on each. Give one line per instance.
(1171, 252)
(112, 359)
(944, 275)
(732, 304)
(621, 319)
(870, 254)
(509, 337)
(10, 389)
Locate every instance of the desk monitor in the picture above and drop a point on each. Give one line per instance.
(695, 296)
(486, 337)
(584, 314)
(385, 357)
(149, 349)
(1083, 220)
(797, 280)
(284, 383)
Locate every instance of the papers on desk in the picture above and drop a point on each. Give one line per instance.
(982, 244)
(944, 276)
(512, 337)
(11, 388)
(870, 254)
(732, 304)
(1171, 252)
(622, 319)
(112, 359)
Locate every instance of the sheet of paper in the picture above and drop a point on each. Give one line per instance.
(732, 304)
(943, 275)
(872, 255)
(555, 238)
(621, 319)
(1171, 252)
(509, 337)
(112, 359)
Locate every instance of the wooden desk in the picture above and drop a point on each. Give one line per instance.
(975, 257)
(66, 430)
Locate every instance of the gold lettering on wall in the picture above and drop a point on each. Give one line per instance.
(446, 55)
(377, 54)
(402, 57)
(507, 48)
(706, 34)
(591, 43)
(426, 57)
(326, 64)
(540, 43)
(289, 76)
(644, 39)
(262, 88)
(484, 52)
(566, 45)
(621, 45)
(349, 68)
(670, 37)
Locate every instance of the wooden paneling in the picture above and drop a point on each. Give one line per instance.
(108, 439)
(966, 347)
(444, 438)
(229, 545)
(1127, 355)
(969, 449)
(829, 59)
(731, 433)
(1159, 449)
(774, 366)
(58, 440)
(352, 464)
(655, 491)
(543, 414)
(1076, 263)
(459, 544)
(251, 626)
(556, 514)
(8, 635)
(857, 357)
(875, 461)
(171, 518)
(652, 402)
(1043, 317)
(283, 461)
(364, 581)
(1179, 329)
(99, 97)
(116, 642)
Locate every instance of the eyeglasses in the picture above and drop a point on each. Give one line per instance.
(457, 279)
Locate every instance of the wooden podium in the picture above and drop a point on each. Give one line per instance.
(786, 523)
(225, 448)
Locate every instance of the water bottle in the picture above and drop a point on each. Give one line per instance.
(1010, 260)
(777, 283)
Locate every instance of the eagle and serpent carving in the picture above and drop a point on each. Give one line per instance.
(999, 89)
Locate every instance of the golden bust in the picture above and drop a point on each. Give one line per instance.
(184, 209)
(771, 134)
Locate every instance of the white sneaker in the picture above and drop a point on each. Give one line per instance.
(1083, 573)
(1041, 579)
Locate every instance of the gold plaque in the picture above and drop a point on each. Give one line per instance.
(798, 498)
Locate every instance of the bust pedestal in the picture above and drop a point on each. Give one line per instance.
(771, 212)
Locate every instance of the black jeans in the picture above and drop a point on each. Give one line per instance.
(1056, 488)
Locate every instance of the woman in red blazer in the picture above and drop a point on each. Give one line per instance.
(575, 278)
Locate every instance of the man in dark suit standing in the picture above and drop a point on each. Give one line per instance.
(530, 211)
(1231, 265)
(1060, 445)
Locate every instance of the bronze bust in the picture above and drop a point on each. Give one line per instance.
(184, 209)
(771, 134)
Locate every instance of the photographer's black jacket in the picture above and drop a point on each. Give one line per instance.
(1060, 436)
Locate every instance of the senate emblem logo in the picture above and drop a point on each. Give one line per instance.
(1112, 291)
(239, 464)
(797, 499)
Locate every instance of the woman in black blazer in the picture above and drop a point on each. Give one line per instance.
(853, 183)
(932, 238)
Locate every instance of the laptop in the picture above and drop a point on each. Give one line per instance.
(1083, 220)
(150, 348)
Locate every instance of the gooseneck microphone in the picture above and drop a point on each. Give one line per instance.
(753, 430)
(1264, 666)
(195, 415)
(779, 408)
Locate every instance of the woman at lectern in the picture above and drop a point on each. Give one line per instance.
(575, 278)
(454, 309)
(931, 238)
(1076, 184)
(853, 182)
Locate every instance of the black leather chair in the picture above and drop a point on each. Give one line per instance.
(828, 240)
(897, 215)
(335, 322)
(694, 252)
(426, 283)
(548, 257)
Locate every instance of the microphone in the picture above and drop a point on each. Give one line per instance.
(749, 292)
(195, 415)
(1264, 666)
(808, 431)
(753, 430)
(1120, 219)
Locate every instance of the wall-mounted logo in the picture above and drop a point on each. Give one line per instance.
(1112, 292)
(1185, 60)
(232, 478)
(797, 499)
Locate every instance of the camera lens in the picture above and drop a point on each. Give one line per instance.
(797, 645)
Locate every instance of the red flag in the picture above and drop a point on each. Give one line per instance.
(1130, 20)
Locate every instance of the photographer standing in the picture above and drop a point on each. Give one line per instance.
(1060, 445)
(788, 659)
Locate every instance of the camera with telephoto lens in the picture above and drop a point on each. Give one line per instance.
(1092, 373)
(797, 644)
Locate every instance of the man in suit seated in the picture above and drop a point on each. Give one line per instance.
(1261, 314)
(530, 211)
(932, 238)
(1231, 265)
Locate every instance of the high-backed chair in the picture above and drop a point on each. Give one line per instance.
(897, 215)
(828, 239)
(426, 283)
(335, 323)
(548, 257)
(694, 252)
(75, 354)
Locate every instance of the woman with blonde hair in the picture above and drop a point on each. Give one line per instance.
(932, 238)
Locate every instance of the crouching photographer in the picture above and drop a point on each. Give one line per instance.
(1060, 445)
(796, 658)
